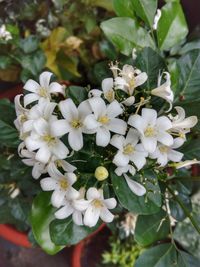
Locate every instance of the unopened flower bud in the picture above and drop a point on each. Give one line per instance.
(101, 173)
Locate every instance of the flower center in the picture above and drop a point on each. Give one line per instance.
(163, 149)
(97, 203)
(128, 149)
(23, 118)
(150, 131)
(43, 92)
(132, 82)
(76, 124)
(49, 139)
(104, 119)
(63, 184)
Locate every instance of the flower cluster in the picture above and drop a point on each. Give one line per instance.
(52, 130)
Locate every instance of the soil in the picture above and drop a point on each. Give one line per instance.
(93, 249)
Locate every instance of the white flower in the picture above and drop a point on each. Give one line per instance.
(29, 160)
(4, 34)
(22, 115)
(47, 144)
(156, 19)
(44, 89)
(43, 109)
(129, 79)
(152, 129)
(104, 120)
(54, 165)
(96, 206)
(134, 186)
(129, 150)
(107, 90)
(163, 153)
(180, 124)
(72, 122)
(61, 185)
(128, 168)
(129, 223)
(164, 91)
(69, 209)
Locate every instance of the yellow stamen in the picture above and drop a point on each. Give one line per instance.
(164, 149)
(49, 139)
(64, 184)
(76, 124)
(109, 95)
(128, 149)
(43, 92)
(103, 120)
(150, 132)
(23, 118)
(97, 203)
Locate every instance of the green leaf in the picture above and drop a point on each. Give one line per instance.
(29, 44)
(146, 10)
(66, 232)
(189, 47)
(163, 255)
(124, 8)
(7, 113)
(187, 260)
(147, 204)
(191, 149)
(150, 228)
(42, 215)
(172, 26)
(153, 64)
(5, 62)
(77, 93)
(125, 34)
(8, 135)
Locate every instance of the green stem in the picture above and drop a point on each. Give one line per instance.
(186, 211)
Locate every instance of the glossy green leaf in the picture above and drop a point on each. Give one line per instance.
(42, 215)
(77, 93)
(125, 34)
(190, 46)
(150, 228)
(147, 204)
(146, 10)
(7, 113)
(163, 255)
(124, 8)
(191, 149)
(153, 64)
(5, 62)
(66, 232)
(172, 26)
(187, 260)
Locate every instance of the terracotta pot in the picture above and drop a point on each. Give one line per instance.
(14, 236)
(78, 250)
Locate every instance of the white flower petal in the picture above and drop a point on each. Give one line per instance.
(29, 98)
(77, 217)
(60, 150)
(120, 159)
(117, 141)
(43, 154)
(117, 126)
(64, 212)
(45, 79)
(150, 115)
(37, 170)
(165, 138)
(138, 159)
(149, 144)
(107, 84)
(90, 122)
(92, 193)
(81, 204)
(132, 137)
(33, 144)
(110, 203)
(129, 101)
(71, 177)
(75, 139)
(114, 109)
(91, 216)
(41, 127)
(102, 137)
(164, 123)
(68, 109)
(140, 79)
(95, 93)
(138, 122)
(48, 184)
(57, 198)
(98, 106)
(84, 109)
(31, 86)
(60, 127)
(135, 187)
(175, 156)
(106, 215)
(55, 87)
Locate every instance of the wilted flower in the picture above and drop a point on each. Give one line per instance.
(156, 19)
